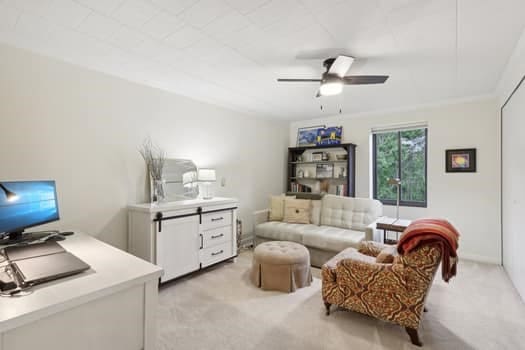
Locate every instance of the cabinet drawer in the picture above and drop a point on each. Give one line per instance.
(216, 219)
(215, 254)
(216, 236)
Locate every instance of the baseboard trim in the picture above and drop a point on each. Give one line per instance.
(480, 258)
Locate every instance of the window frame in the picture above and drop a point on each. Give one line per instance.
(402, 203)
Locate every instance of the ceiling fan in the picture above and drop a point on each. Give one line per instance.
(334, 78)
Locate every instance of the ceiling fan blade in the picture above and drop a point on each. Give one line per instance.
(319, 54)
(341, 65)
(364, 79)
(298, 80)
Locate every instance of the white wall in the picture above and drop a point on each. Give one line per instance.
(83, 129)
(470, 200)
(513, 189)
(513, 165)
(514, 71)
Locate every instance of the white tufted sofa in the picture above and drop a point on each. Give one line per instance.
(336, 223)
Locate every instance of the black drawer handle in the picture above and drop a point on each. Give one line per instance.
(217, 219)
(217, 236)
(217, 253)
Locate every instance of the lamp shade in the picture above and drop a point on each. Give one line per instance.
(206, 175)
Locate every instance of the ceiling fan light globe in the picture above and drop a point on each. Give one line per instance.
(12, 198)
(331, 88)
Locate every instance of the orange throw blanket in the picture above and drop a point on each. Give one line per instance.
(433, 231)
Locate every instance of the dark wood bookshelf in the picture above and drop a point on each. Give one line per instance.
(321, 162)
(318, 178)
(305, 195)
(294, 163)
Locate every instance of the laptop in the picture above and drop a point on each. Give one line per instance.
(20, 252)
(46, 268)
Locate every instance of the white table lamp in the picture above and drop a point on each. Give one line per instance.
(206, 176)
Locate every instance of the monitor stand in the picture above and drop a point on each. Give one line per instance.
(24, 237)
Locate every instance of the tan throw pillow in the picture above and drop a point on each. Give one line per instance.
(387, 255)
(297, 211)
(277, 207)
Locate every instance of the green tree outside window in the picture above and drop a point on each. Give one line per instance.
(401, 154)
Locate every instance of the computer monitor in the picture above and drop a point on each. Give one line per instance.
(25, 204)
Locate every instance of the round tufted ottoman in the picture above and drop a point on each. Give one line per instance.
(281, 265)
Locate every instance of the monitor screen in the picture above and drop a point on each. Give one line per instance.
(25, 204)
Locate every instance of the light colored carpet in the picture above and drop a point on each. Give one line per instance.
(220, 309)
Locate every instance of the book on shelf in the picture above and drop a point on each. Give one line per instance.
(341, 190)
(296, 187)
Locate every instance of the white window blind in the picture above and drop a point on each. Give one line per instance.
(399, 127)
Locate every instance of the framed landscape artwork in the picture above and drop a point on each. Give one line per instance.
(330, 136)
(308, 136)
(461, 160)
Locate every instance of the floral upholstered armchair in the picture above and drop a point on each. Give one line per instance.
(393, 292)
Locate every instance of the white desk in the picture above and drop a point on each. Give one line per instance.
(111, 306)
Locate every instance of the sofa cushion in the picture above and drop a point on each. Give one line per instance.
(315, 212)
(332, 238)
(282, 231)
(348, 212)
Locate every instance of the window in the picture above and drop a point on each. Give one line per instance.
(402, 154)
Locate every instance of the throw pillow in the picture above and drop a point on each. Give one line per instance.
(297, 211)
(277, 207)
(387, 255)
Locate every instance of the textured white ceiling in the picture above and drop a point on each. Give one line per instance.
(230, 52)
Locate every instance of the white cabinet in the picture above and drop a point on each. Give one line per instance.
(184, 236)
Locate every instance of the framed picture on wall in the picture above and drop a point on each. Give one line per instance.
(308, 136)
(330, 136)
(460, 160)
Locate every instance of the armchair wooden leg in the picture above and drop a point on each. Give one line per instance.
(414, 337)
(327, 306)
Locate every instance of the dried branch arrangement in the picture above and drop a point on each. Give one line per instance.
(154, 158)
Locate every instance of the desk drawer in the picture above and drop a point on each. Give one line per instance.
(216, 219)
(215, 254)
(216, 236)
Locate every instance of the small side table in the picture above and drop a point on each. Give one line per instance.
(394, 225)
